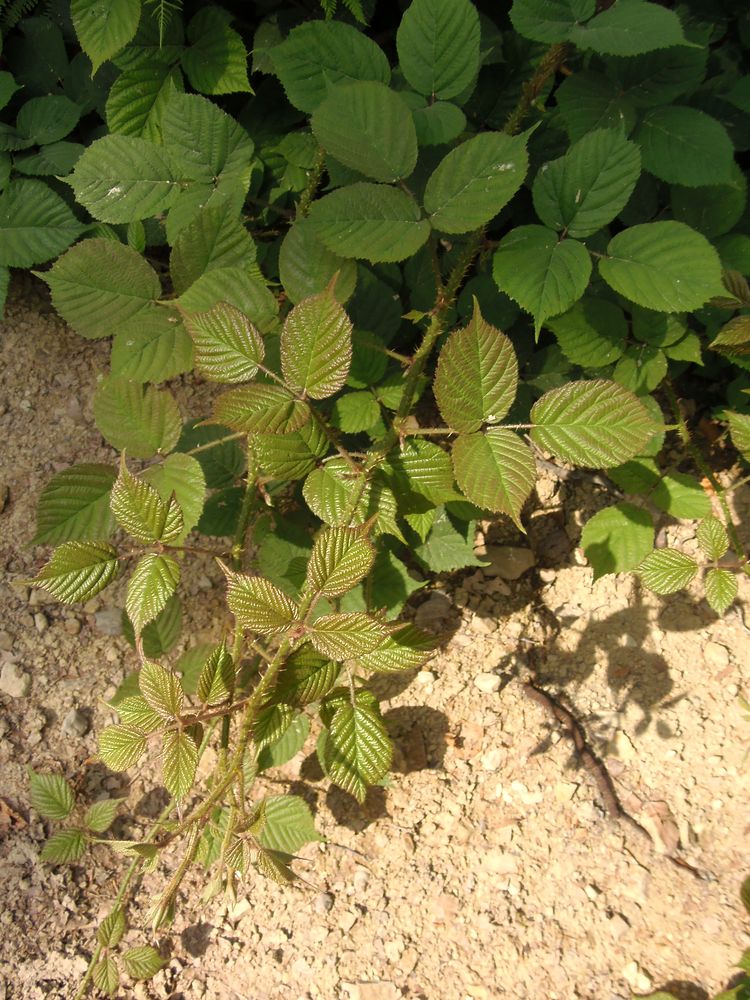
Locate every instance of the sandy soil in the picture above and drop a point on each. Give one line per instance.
(489, 868)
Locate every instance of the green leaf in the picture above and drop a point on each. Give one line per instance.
(101, 815)
(407, 649)
(733, 339)
(628, 28)
(64, 847)
(357, 751)
(287, 746)
(664, 266)
(271, 724)
(745, 893)
(150, 587)
(74, 505)
(306, 677)
(739, 431)
(685, 146)
(275, 866)
(104, 29)
(77, 571)
(143, 962)
(121, 746)
(341, 557)
(223, 463)
(156, 347)
(355, 412)
(138, 97)
(179, 762)
(341, 637)
(121, 178)
(592, 334)
(495, 470)
(261, 408)
(35, 224)
(106, 976)
(585, 189)
(711, 209)
(287, 823)
(306, 266)
(291, 456)
(51, 795)
(370, 221)
(681, 496)
(329, 492)
(589, 101)
(438, 47)
(316, 346)
(369, 128)
(712, 537)
(216, 679)
(595, 423)
(438, 124)
(141, 512)
(666, 571)
(237, 288)
(474, 181)
(317, 54)
(641, 368)
(215, 238)
(228, 348)
(721, 589)
(161, 689)
(658, 77)
(211, 146)
(55, 160)
(221, 513)
(617, 538)
(447, 548)
(544, 274)
(216, 61)
(182, 476)
(258, 605)
(477, 375)
(44, 120)
(421, 467)
(160, 635)
(101, 287)
(135, 711)
(549, 20)
(111, 929)
(142, 419)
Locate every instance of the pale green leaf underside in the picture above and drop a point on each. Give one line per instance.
(316, 346)
(721, 589)
(357, 752)
(258, 605)
(151, 585)
(341, 557)
(228, 348)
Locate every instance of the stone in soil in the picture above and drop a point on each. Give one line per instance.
(14, 681)
(508, 561)
(75, 723)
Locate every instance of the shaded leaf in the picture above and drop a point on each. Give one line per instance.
(616, 539)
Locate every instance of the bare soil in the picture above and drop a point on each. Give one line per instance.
(489, 867)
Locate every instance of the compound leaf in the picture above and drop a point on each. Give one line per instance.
(340, 558)
(74, 505)
(143, 962)
(316, 346)
(712, 537)
(101, 815)
(51, 795)
(216, 60)
(369, 128)
(549, 20)
(150, 587)
(617, 538)
(665, 266)
(357, 751)
(306, 677)
(370, 221)
(64, 847)
(477, 375)
(78, 571)
(161, 689)
(141, 512)
(181, 476)
(592, 334)
(259, 605)
(407, 649)
(341, 637)
(685, 146)
(438, 47)
(495, 470)
(216, 678)
(474, 181)
(595, 423)
(666, 571)
(228, 348)
(628, 28)
(140, 419)
(286, 824)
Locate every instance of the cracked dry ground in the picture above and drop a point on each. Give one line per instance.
(488, 869)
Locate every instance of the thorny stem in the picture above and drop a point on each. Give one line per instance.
(313, 180)
(548, 65)
(684, 431)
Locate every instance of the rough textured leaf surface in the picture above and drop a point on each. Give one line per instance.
(141, 419)
(340, 558)
(341, 637)
(438, 46)
(357, 751)
(666, 571)
(228, 348)
(477, 375)
(74, 505)
(261, 408)
(595, 423)
(77, 571)
(721, 589)
(495, 470)
(151, 585)
(258, 605)
(316, 346)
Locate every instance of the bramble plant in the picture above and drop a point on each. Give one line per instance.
(404, 281)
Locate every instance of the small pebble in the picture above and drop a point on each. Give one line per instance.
(72, 626)
(40, 622)
(14, 681)
(6, 642)
(489, 683)
(109, 621)
(75, 723)
(323, 903)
